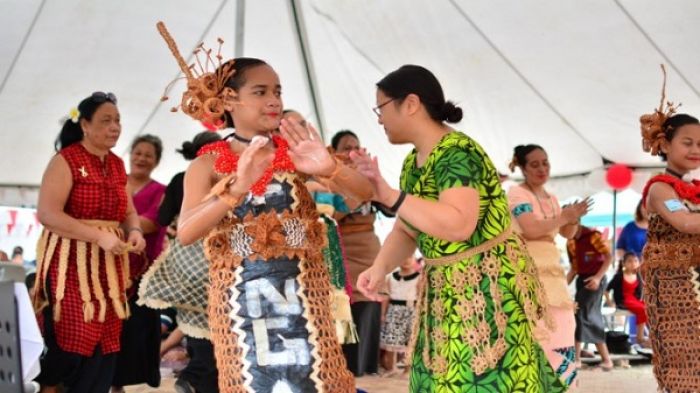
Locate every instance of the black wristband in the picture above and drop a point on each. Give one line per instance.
(399, 201)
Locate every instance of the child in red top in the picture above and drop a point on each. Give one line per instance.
(627, 292)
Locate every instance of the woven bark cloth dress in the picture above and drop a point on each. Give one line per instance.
(480, 297)
(270, 295)
(671, 274)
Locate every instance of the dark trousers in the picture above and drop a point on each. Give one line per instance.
(363, 357)
(77, 373)
(201, 371)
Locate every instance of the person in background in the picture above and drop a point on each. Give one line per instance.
(82, 264)
(139, 359)
(398, 313)
(627, 289)
(590, 259)
(4, 257)
(18, 256)
(361, 248)
(634, 235)
(539, 218)
(180, 281)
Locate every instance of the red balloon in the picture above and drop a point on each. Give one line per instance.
(618, 176)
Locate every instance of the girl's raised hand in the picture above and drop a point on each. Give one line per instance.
(306, 148)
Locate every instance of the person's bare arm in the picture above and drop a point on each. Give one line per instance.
(198, 217)
(55, 188)
(664, 201)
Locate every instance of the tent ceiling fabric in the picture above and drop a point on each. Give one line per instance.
(573, 76)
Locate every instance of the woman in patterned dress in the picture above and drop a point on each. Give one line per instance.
(671, 268)
(480, 296)
(269, 300)
(82, 264)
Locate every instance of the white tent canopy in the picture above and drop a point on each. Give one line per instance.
(573, 76)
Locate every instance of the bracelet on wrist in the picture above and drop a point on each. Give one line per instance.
(397, 204)
(137, 229)
(230, 200)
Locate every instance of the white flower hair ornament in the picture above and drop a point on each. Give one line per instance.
(74, 115)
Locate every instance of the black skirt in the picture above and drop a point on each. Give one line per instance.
(363, 357)
(139, 358)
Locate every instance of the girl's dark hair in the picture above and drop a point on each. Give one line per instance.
(189, 149)
(672, 124)
(638, 216)
(413, 79)
(153, 140)
(240, 65)
(627, 255)
(72, 132)
(520, 155)
(335, 141)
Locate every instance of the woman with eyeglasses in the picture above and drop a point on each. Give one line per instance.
(480, 297)
(90, 226)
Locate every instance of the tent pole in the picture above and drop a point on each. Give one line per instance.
(302, 39)
(614, 223)
(240, 28)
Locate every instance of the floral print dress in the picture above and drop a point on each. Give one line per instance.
(480, 297)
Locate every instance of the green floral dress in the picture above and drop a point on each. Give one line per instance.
(474, 330)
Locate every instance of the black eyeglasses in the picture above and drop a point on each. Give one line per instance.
(377, 108)
(101, 97)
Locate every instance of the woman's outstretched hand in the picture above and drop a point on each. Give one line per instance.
(306, 148)
(369, 167)
(369, 282)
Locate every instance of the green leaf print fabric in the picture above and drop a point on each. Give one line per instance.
(474, 331)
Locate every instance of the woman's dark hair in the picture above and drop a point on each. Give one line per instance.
(189, 149)
(672, 124)
(520, 155)
(72, 132)
(240, 65)
(153, 140)
(413, 79)
(335, 141)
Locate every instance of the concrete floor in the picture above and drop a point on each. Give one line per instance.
(637, 379)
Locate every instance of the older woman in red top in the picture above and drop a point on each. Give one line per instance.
(82, 262)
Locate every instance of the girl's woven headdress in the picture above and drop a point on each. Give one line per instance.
(651, 124)
(206, 89)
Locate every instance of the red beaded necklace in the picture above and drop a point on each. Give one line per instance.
(227, 161)
(687, 191)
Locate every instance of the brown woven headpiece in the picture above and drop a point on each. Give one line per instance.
(651, 124)
(206, 91)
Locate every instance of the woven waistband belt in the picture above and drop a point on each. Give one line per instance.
(481, 248)
(101, 223)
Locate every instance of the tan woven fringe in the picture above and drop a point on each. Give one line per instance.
(46, 248)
